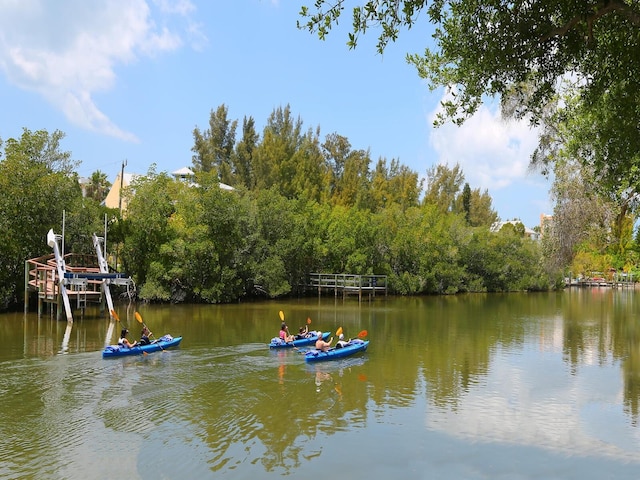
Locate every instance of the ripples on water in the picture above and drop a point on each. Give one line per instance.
(444, 394)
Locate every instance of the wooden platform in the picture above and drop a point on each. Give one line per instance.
(82, 278)
(349, 284)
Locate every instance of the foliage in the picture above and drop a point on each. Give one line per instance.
(300, 206)
(505, 261)
(443, 190)
(274, 159)
(213, 148)
(589, 262)
(484, 47)
(37, 184)
(587, 210)
(84, 217)
(243, 155)
(148, 214)
(569, 66)
(98, 186)
(443, 187)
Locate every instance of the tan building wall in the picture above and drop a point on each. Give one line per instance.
(546, 221)
(113, 199)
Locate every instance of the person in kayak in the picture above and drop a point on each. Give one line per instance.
(284, 333)
(144, 336)
(341, 341)
(123, 341)
(303, 332)
(322, 345)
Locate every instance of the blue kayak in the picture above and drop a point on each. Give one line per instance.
(277, 342)
(164, 342)
(354, 346)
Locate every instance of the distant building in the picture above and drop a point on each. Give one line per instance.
(546, 222)
(185, 174)
(114, 198)
(84, 185)
(532, 234)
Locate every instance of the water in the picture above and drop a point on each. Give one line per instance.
(472, 387)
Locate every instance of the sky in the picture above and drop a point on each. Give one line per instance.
(129, 81)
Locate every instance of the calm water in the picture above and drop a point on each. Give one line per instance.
(468, 387)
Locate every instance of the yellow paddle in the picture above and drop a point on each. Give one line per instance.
(139, 319)
(114, 314)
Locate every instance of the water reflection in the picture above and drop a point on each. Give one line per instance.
(332, 375)
(551, 377)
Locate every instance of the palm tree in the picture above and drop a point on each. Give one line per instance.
(98, 186)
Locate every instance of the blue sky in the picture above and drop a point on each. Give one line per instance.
(130, 80)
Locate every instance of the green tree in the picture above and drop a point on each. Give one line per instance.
(151, 203)
(310, 180)
(243, 157)
(214, 147)
(336, 149)
(37, 183)
(581, 215)
(466, 202)
(276, 243)
(274, 159)
(481, 212)
(420, 249)
(394, 184)
(612, 167)
(349, 238)
(98, 186)
(225, 217)
(503, 261)
(353, 187)
(486, 47)
(84, 217)
(193, 247)
(519, 51)
(443, 187)
(381, 193)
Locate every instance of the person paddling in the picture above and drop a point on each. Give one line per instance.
(303, 332)
(123, 341)
(284, 334)
(342, 342)
(322, 345)
(144, 336)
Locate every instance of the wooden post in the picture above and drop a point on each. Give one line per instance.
(26, 286)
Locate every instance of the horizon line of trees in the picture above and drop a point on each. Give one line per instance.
(300, 165)
(299, 206)
(569, 68)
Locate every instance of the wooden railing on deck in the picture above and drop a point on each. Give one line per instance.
(348, 283)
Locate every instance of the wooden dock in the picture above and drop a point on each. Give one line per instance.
(349, 284)
(83, 280)
(616, 280)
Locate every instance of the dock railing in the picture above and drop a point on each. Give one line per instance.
(347, 283)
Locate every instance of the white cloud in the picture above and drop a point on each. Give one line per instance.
(67, 51)
(492, 153)
(181, 7)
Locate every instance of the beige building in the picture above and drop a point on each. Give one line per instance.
(114, 198)
(546, 222)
